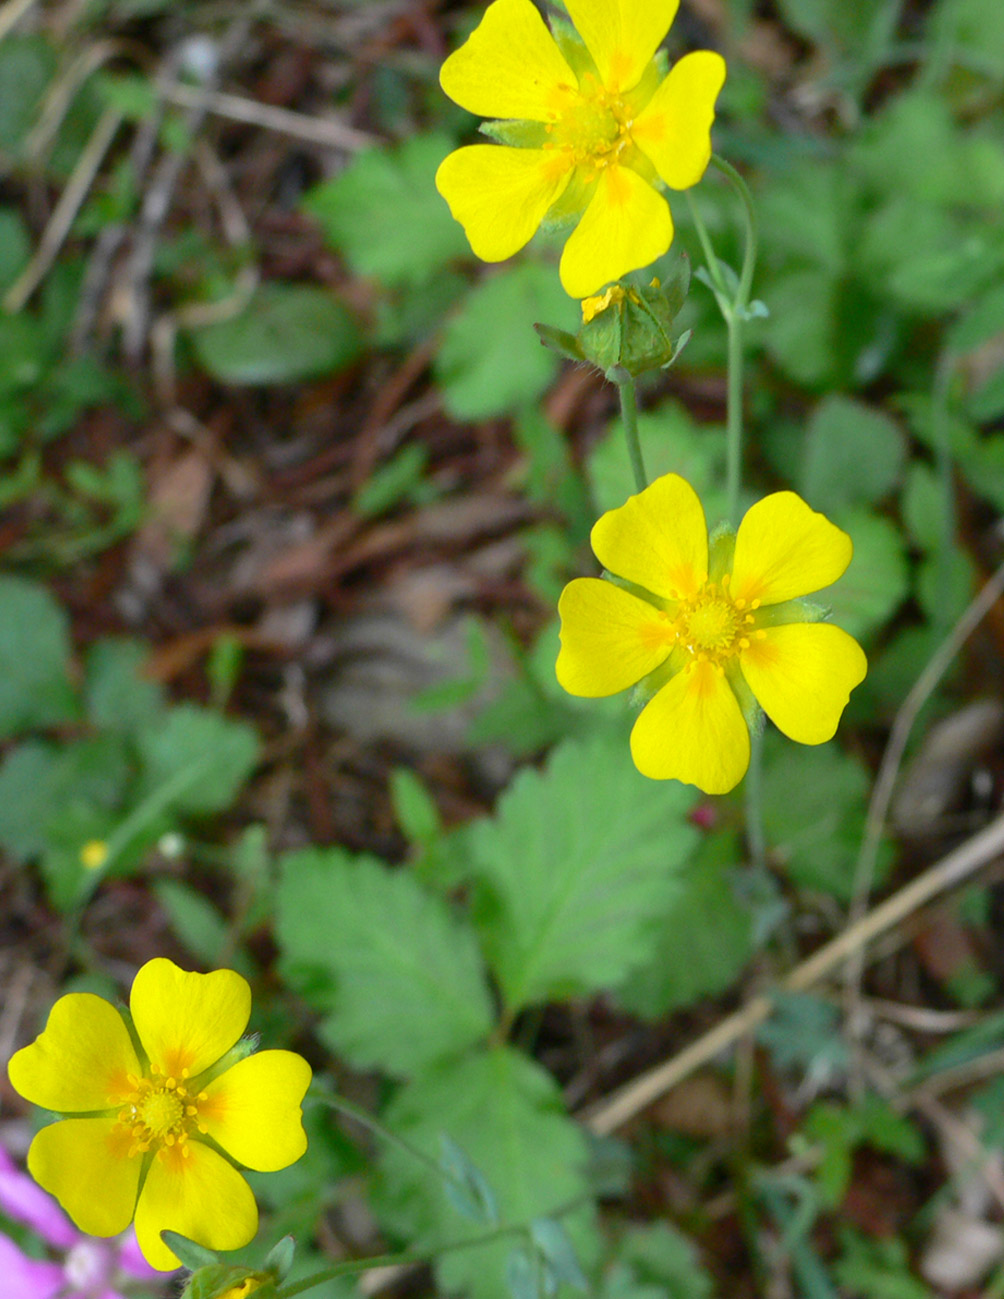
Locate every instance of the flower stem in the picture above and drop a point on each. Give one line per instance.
(352, 1266)
(360, 1116)
(629, 415)
(734, 308)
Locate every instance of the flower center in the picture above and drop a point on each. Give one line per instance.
(160, 1112)
(711, 625)
(593, 129)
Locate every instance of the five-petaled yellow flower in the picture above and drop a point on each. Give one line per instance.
(156, 1107)
(710, 630)
(592, 130)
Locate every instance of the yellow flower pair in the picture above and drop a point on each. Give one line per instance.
(154, 1105)
(591, 130)
(710, 629)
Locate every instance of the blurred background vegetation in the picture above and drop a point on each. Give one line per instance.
(288, 489)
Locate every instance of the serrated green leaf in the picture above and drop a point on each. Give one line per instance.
(573, 865)
(703, 938)
(286, 334)
(506, 1114)
(491, 362)
(204, 758)
(384, 214)
(399, 972)
(34, 658)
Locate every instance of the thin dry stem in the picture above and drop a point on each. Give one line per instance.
(957, 866)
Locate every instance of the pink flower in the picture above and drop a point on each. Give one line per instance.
(90, 1269)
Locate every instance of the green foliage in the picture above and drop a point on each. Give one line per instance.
(704, 936)
(840, 1130)
(286, 334)
(853, 456)
(399, 973)
(814, 803)
(656, 1262)
(876, 1268)
(569, 882)
(27, 64)
(505, 1113)
(34, 659)
(202, 757)
(877, 580)
(671, 442)
(383, 213)
(490, 361)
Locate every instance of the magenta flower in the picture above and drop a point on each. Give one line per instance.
(90, 1268)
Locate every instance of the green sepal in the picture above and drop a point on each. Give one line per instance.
(753, 714)
(788, 611)
(721, 551)
(573, 48)
(192, 1255)
(518, 135)
(228, 1281)
(560, 341)
(279, 1258)
(634, 331)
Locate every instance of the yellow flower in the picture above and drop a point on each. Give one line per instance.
(710, 629)
(94, 854)
(153, 1107)
(593, 129)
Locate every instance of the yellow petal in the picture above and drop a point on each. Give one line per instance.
(253, 1110)
(802, 674)
(784, 550)
(674, 129)
(626, 225)
(500, 195)
(509, 67)
(657, 539)
(622, 35)
(693, 730)
(200, 1196)
(80, 1061)
(609, 638)
(85, 1164)
(186, 1022)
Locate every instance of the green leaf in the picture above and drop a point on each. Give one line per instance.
(876, 582)
(854, 455)
(703, 938)
(384, 214)
(399, 971)
(923, 506)
(663, 1259)
(117, 697)
(392, 482)
(286, 334)
(802, 330)
(197, 757)
(671, 442)
(813, 814)
(506, 1114)
(491, 361)
(573, 866)
(34, 659)
(27, 64)
(15, 247)
(198, 924)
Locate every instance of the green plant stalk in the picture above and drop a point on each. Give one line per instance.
(629, 415)
(734, 309)
(355, 1265)
(360, 1116)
